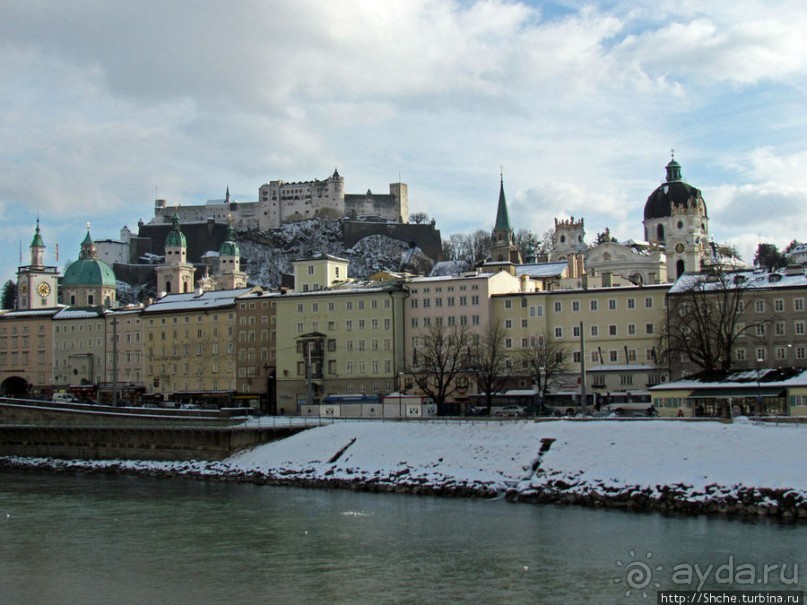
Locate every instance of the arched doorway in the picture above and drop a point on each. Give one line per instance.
(15, 386)
(679, 268)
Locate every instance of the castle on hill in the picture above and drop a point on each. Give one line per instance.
(280, 202)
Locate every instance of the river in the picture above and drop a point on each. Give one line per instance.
(87, 539)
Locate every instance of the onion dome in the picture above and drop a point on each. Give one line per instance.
(175, 237)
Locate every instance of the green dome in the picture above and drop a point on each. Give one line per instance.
(175, 237)
(229, 247)
(89, 272)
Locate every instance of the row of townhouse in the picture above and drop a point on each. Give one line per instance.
(279, 351)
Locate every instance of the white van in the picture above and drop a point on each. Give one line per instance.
(64, 398)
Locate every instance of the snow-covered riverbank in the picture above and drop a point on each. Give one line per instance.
(739, 468)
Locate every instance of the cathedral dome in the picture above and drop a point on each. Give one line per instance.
(89, 272)
(673, 193)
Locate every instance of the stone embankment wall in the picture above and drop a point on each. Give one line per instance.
(90, 432)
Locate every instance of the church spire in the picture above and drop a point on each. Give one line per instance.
(502, 217)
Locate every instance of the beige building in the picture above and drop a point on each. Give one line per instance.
(772, 325)
(189, 342)
(256, 341)
(125, 355)
(335, 337)
(26, 352)
(79, 350)
(611, 332)
(37, 283)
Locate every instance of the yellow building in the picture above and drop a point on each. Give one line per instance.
(344, 339)
(611, 333)
(125, 356)
(189, 342)
(26, 352)
(79, 350)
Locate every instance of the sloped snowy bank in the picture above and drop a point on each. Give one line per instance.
(704, 467)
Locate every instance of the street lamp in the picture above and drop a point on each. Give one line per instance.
(759, 389)
(400, 394)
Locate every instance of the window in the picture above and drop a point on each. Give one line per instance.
(631, 329)
(760, 329)
(781, 353)
(593, 305)
(612, 330)
(508, 343)
(761, 354)
(631, 303)
(576, 356)
(299, 307)
(613, 356)
(739, 354)
(612, 304)
(576, 331)
(779, 328)
(759, 306)
(799, 327)
(558, 332)
(508, 323)
(648, 303)
(648, 328)
(558, 306)
(779, 305)
(595, 330)
(798, 304)
(575, 305)
(537, 311)
(508, 304)
(801, 352)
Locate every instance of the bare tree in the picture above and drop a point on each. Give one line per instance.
(440, 355)
(419, 217)
(488, 363)
(705, 318)
(545, 359)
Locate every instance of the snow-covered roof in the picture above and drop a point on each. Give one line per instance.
(542, 269)
(80, 313)
(629, 367)
(21, 314)
(446, 268)
(740, 279)
(194, 301)
(741, 379)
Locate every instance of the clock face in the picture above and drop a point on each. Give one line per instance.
(43, 289)
(24, 289)
(679, 247)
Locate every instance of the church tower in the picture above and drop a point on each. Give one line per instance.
(567, 239)
(229, 275)
(37, 284)
(175, 275)
(675, 218)
(504, 249)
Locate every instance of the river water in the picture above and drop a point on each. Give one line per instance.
(87, 539)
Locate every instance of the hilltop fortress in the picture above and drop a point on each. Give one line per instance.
(280, 203)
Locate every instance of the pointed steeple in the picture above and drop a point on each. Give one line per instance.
(227, 196)
(502, 217)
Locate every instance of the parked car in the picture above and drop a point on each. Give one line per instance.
(511, 411)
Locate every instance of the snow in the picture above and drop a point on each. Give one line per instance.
(611, 453)
(692, 465)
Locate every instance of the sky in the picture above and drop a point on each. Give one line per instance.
(107, 105)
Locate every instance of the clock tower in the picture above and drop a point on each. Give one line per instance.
(37, 284)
